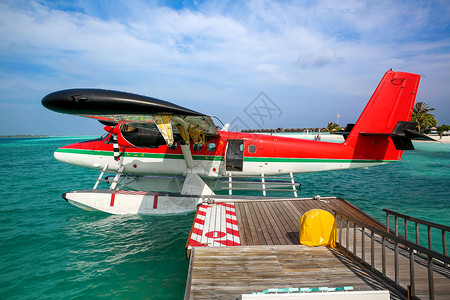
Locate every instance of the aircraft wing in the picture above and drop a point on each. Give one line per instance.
(113, 107)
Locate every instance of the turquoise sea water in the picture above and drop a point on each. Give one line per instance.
(51, 249)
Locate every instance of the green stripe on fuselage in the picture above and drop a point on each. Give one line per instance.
(138, 154)
(212, 157)
(312, 160)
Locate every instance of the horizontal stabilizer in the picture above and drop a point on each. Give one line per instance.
(346, 131)
(402, 135)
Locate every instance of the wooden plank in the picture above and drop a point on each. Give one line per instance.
(290, 224)
(275, 222)
(291, 220)
(300, 206)
(266, 230)
(308, 205)
(236, 270)
(252, 227)
(256, 217)
(244, 230)
(283, 225)
(295, 210)
(329, 205)
(290, 216)
(271, 226)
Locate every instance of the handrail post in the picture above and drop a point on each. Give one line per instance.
(396, 225)
(444, 245)
(354, 238)
(430, 278)
(383, 255)
(417, 233)
(347, 235)
(340, 230)
(387, 222)
(429, 238)
(396, 264)
(406, 229)
(411, 272)
(372, 249)
(363, 245)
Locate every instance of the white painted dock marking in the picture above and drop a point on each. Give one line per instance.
(215, 225)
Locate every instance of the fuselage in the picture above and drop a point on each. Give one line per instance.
(237, 153)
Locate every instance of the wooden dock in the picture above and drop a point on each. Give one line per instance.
(250, 245)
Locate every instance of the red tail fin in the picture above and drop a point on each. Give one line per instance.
(392, 101)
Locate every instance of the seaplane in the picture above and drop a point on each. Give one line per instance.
(166, 158)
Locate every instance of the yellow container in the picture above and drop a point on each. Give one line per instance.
(317, 228)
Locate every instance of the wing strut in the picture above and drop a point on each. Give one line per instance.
(165, 128)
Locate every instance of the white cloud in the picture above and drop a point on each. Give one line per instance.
(228, 52)
(325, 56)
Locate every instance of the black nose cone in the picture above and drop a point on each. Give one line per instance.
(66, 101)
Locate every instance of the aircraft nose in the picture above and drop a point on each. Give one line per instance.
(68, 157)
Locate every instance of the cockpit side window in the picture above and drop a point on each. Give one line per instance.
(211, 147)
(111, 139)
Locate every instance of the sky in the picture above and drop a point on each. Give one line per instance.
(297, 63)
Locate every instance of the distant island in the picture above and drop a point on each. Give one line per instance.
(285, 130)
(23, 136)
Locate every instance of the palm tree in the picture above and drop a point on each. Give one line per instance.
(421, 115)
(332, 127)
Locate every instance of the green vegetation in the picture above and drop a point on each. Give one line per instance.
(421, 115)
(332, 127)
(443, 128)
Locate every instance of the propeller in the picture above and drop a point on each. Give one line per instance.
(113, 131)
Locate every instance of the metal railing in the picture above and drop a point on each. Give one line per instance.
(444, 229)
(387, 237)
(283, 184)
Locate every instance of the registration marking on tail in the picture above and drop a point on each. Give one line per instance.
(215, 225)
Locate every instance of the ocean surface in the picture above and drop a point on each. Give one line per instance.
(51, 249)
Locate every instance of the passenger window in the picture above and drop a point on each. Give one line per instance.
(241, 147)
(197, 147)
(252, 149)
(211, 147)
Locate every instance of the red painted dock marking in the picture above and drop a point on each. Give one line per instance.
(200, 221)
(228, 236)
(215, 234)
(229, 212)
(234, 222)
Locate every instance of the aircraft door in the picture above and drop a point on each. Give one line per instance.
(234, 157)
